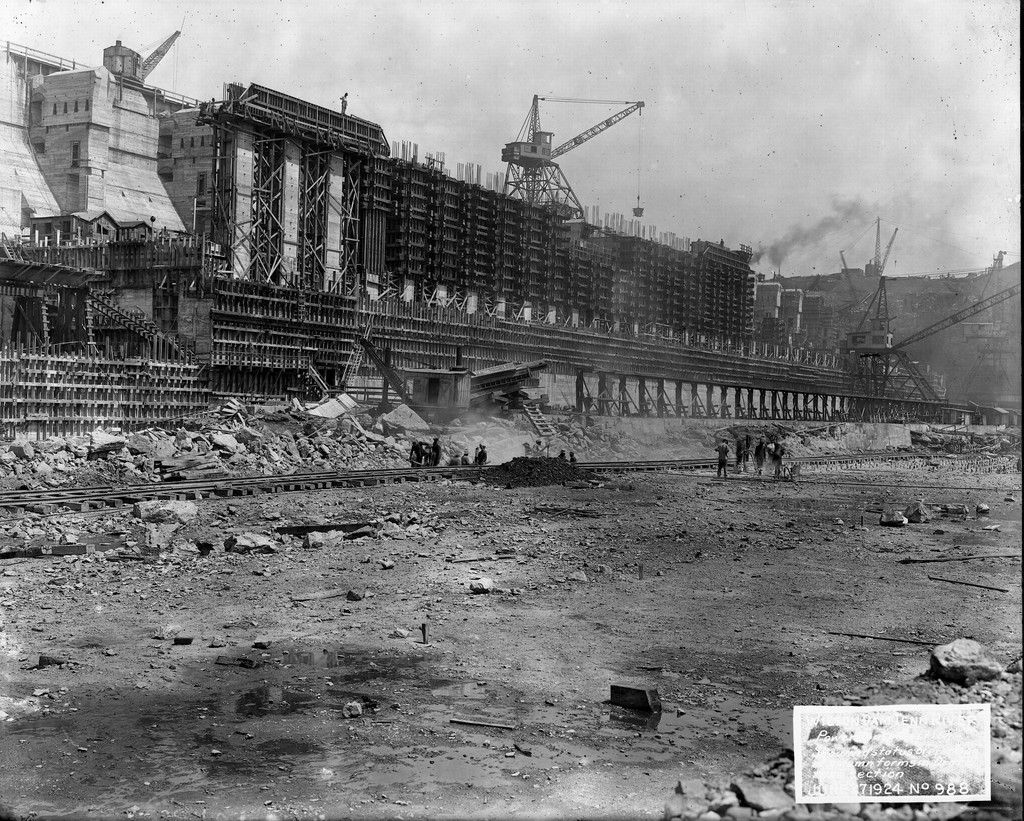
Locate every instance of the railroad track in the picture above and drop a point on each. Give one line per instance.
(103, 497)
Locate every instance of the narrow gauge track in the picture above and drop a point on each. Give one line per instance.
(107, 496)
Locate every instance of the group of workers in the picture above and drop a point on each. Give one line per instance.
(423, 455)
(762, 451)
(540, 449)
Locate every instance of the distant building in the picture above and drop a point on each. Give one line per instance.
(791, 308)
(767, 300)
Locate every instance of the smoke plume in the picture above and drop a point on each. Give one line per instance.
(843, 211)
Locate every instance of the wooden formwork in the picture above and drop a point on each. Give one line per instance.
(51, 395)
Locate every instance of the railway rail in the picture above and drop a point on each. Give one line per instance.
(103, 497)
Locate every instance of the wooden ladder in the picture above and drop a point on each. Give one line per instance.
(539, 421)
(355, 358)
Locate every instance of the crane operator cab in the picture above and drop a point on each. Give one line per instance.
(876, 339)
(529, 154)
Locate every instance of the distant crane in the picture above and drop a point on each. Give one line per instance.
(123, 61)
(158, 54)
(886, 369)
(877, 266)
(534, 176)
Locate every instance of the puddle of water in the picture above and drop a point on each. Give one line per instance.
(442, 688)
(354, 667)
(284, 748)
(270, 700)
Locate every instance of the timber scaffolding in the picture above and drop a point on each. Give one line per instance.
(71, 360)
(45, 394)
(265, 341)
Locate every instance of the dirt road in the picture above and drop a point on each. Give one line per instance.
(721, 595)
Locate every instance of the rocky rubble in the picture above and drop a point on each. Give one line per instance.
(277, 444)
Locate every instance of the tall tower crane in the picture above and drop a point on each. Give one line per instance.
(533, 175)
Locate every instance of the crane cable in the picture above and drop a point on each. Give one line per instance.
(640, 161)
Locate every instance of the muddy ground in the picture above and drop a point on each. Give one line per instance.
(721, 595)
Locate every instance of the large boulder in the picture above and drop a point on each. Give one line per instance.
(761, 795)
(247, 435)
(481, 585)
(917, 512)
(22, 448)
(165, 511)
(151, 445)
(250, 543)
(892, 518)
(224, 441)
(965, 661)
(404, 420)
(53, 445)
(101, 442)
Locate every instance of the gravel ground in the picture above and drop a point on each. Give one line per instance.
(721, 595)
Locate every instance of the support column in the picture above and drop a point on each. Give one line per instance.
(581, 393)
(680, 409)
(602, 394)
(775, 404)
(641, 395)
(661, 398)
(623, 397)
(709, 391)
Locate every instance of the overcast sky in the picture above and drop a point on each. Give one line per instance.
(786, 126)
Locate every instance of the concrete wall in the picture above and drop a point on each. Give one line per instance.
(692, 438)
(114, 131)
(242, 146)
(23, 188)
(184, 153)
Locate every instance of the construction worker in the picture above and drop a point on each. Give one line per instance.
(741, 454)
(481, 454)
(415, 455)
(760, 452)
(572, 457)
(777, 453)
(723, 459)
(465, 457)
(561, 455)
(435, 452)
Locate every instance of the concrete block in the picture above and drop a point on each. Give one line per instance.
(636, 698)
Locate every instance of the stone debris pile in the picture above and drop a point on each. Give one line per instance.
(202, 450)
(534, 472)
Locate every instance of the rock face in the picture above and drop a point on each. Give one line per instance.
(965, 661)
(161, 511)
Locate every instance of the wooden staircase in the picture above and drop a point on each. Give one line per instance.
(539, 421)
(162, 344)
